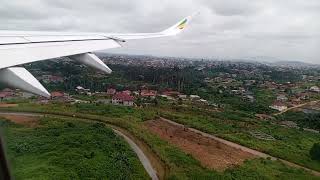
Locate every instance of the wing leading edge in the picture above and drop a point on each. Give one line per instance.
(17, 47)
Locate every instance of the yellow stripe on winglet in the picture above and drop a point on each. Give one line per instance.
(182, 25)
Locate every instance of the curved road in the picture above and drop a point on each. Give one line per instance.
(142, 157)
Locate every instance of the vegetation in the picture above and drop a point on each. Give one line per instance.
(290, 144)
(64, 149)
(266, 169)
(315, 152)
(311, 120)
(184, 166)
(231, 116)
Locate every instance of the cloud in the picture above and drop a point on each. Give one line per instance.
(286, 29)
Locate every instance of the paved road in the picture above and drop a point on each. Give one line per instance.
(243, 148)
(142, 157)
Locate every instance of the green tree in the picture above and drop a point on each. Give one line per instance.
(315, 152)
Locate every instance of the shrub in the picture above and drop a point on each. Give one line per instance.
(315, 152)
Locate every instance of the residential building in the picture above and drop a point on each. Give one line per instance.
(279, 106)
(127, 92)
(195, 97)
(82, 90)
(59, 96)
(182, 96)
(148, 93)
(315, 89)
(111, 91)
(282, 97)
(123, 99)
(171, 93)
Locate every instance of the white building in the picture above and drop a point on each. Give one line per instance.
(278, 106)
(315, 89)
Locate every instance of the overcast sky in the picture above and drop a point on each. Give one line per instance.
(283, 29)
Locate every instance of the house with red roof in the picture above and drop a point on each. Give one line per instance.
(59, 96)
(123, 99)
(3, 96)
(171, 93)
(127, 92)
(148, 93)
(6, 94)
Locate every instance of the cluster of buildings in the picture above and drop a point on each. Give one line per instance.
(285, 94)
(127, 97)
(146, 61)
(291, 94)
(9, 94)
(110, 96)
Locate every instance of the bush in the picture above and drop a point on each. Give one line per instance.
(315, 152)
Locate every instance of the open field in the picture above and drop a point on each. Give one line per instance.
(29, 121)
(211, 153)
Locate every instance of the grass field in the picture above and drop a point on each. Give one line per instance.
(65, 149)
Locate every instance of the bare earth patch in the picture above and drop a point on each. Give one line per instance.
(211, 153)
(29, 121)
(5, 105)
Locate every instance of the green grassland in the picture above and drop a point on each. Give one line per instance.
(65, 149)
(234, 126)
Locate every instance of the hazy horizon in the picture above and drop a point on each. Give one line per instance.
(245, 59)
(235, 29)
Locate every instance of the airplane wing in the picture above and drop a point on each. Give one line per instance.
(18, 47)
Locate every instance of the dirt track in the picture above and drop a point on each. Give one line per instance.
(4, 105)
(211, 153)
(30, 121)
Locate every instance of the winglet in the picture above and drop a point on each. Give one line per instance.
(180, 26)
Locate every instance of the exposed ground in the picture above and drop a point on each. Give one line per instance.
(30, 121)
(5, 105)
(211, 153)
